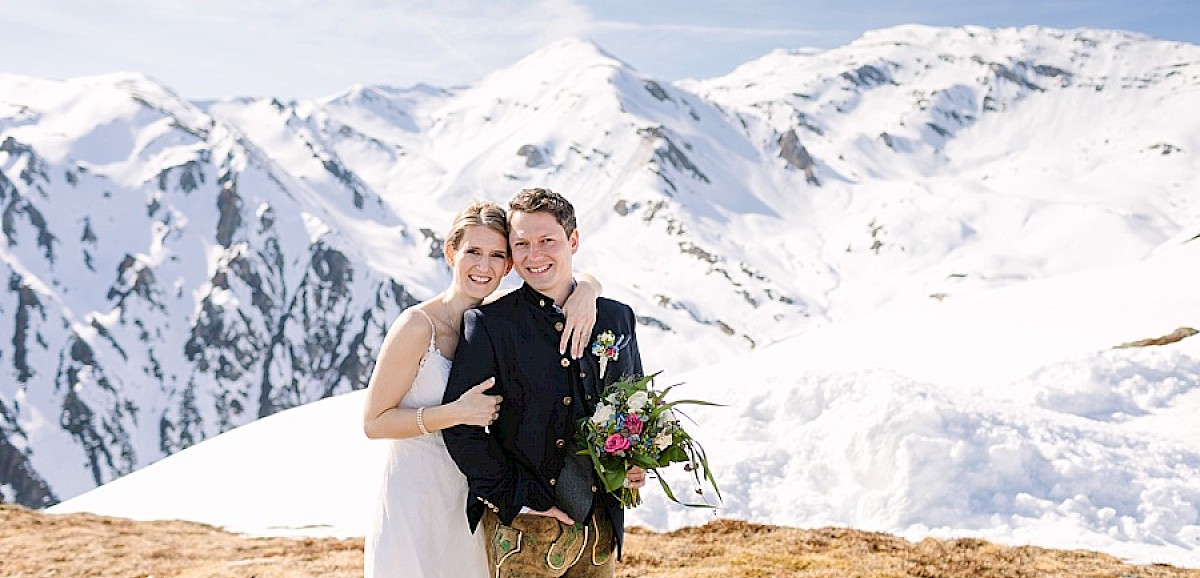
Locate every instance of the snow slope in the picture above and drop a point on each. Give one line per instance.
(1006, 415)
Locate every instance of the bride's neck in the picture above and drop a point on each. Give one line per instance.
(454, 305)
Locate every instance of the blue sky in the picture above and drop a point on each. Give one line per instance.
(307, 49)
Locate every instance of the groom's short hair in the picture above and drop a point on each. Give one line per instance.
(544, 201)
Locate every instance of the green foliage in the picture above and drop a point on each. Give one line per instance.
(634, 425)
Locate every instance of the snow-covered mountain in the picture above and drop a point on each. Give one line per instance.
(167, 281)
(178, 269)
(1008, 415)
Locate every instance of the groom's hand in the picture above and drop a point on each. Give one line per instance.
(635, 477)
(554, 512)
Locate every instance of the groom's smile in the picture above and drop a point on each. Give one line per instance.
(542, 252)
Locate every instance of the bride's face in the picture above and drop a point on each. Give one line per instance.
(480, 261)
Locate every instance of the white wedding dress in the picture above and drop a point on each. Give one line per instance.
(419, 528)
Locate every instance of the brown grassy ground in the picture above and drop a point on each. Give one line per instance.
(34, 544)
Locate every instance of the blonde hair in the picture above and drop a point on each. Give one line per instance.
(477, 214)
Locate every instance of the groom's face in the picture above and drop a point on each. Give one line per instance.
(542, 253)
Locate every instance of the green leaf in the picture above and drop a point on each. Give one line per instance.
(614, 479)
(666, 488)
(678, 402)
(645, 462)
(708, 474)
(674, 454)
(671, 496)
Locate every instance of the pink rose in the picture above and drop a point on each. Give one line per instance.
(634, 424)
(616, 443)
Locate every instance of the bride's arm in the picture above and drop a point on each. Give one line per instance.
(580, 309)
(405, 344)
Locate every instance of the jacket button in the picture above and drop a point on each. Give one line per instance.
(553, 481)
(583, 375)
(565, 362)
(593, 489)
(559, 326)
(560, 444)
(541, 302)
(567, 400)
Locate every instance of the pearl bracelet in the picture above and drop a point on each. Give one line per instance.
(421, 420)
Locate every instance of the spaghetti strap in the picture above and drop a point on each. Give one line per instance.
(420, 534)
(432, 332)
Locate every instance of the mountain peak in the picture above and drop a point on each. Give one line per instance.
(563, 58)
(208, 276)
(574, 65)
(136, 83)
(574, 47)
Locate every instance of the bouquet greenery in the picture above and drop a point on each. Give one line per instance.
(634, 425)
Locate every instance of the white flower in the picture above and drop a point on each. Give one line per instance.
(603, 413)
(663, 440)
(665, 419)
(637, 401)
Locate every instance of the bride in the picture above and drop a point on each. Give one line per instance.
(417, 528)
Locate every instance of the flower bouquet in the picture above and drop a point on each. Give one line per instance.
(634, 425)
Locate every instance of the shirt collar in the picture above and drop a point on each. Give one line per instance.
(539, 301)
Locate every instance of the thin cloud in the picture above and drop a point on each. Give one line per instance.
(285, 47)
(310, 48)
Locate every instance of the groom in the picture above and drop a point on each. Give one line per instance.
(543, 509)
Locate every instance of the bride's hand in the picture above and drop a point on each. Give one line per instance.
(580, 309)
(478, 408)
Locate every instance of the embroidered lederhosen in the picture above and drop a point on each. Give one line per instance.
(544, 547)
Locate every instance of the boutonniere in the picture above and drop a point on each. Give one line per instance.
(607, 347)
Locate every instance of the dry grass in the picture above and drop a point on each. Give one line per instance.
(33, 544)
(1172, 337)
(36, 544)
(728, 548)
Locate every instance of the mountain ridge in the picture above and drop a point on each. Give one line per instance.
(1012, 415)
(178, 269)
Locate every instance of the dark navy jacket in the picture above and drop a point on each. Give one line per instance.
(515, 339)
